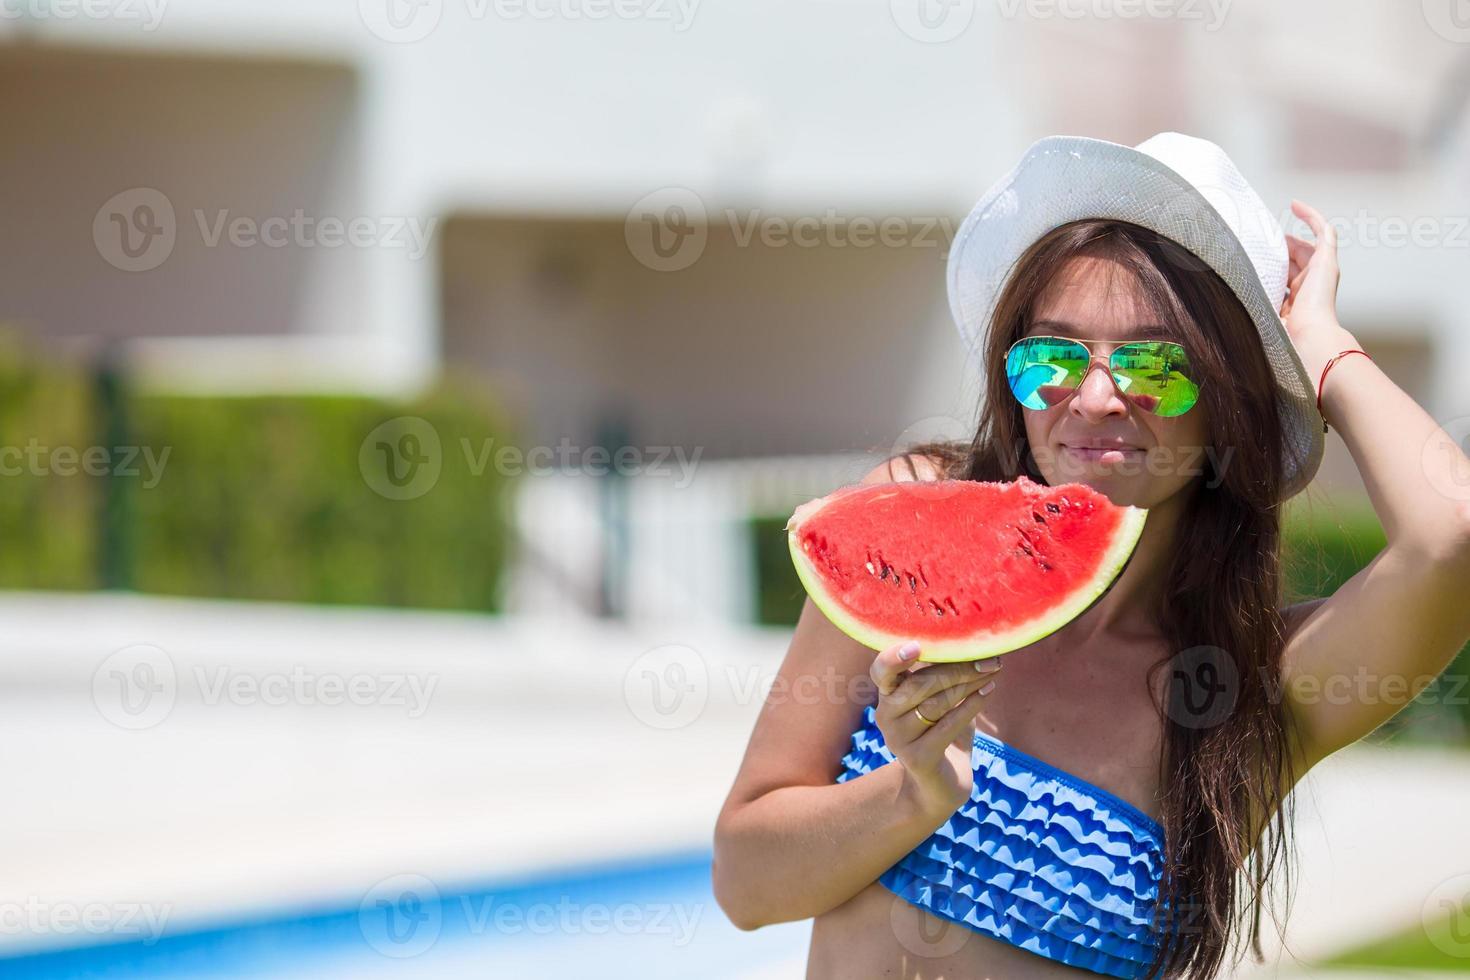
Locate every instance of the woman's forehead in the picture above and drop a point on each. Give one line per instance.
(1097, 299)
(1101, 328)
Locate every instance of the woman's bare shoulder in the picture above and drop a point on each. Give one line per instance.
(906, 468)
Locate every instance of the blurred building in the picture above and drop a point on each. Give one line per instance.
(694, 227)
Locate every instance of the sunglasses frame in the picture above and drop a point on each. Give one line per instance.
(1108, 359)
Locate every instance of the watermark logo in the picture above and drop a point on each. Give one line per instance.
(1443, 459)
(1203, 687)
(667, 687)
(38, 459)
(667, 230)
(1211, 12)
(401, 916)
(303, 687)
(407, 21)
(149, 13)
(135, 687)
(135, 230)
(402, 458)
(1446, 916)
(926, 935)
(932, 21)
(139, 921)
(1450, 19)
(400, 21)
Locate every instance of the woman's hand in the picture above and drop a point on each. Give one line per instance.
(935, 757)
(1310, 307)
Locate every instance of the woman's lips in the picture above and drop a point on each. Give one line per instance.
(1115, 455)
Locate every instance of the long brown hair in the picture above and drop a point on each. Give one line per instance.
(1224, 773)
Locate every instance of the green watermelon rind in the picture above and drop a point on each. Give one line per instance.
(1120, 550)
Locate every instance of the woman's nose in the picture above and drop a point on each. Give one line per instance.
(1098, 396)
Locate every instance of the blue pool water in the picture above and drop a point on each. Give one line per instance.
(648, 920)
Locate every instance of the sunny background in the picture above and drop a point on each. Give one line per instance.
(400, 401)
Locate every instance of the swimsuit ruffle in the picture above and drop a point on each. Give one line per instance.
(1036, 857)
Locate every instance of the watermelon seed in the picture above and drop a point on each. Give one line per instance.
(1053, 507)
(913, 583)
(950, 603)
(938, 609)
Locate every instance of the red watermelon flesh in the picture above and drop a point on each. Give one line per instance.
(969, 569)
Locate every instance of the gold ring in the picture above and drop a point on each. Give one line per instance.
(925, 718)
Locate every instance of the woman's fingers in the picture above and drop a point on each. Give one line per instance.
(936, 706)
(955, 722)
(919, 686)
(890, 666)
(1324, 250)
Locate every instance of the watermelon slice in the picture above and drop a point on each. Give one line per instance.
(969, 569)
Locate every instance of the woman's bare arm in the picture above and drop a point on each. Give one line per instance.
(1356, 658)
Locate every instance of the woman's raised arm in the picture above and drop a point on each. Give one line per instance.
(1357, 657)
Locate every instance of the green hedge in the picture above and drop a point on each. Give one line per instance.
(1320, 552)
(264, 498)
(49, 539)
(257, 497)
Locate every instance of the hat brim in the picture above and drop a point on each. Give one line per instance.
(1068, 178)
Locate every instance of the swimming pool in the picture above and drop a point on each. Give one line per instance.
(650, 919)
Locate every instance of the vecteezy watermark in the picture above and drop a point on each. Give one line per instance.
(1369, 687)
(1211, 13)
(149, 13)
(36, 459)
(1446, 916)
(932, 21)
(302, 687)
(1450, 19)
(1203, 687)
(667, 230)
(407, 21)
(925, 935)
(403, 916)
(1443, 459)
(1368, 229)
(667, 687)
(1155, 461)
(569, 459)
(135, 687)
(136, 230)
(301, 230)
(131, 920)
(403, 458)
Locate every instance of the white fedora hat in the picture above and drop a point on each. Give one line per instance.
(1182, 187)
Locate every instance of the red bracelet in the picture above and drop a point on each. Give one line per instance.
(1325, 368)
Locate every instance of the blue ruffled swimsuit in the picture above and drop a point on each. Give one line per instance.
(1036, 857)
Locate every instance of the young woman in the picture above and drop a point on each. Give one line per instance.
(1113, 799)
